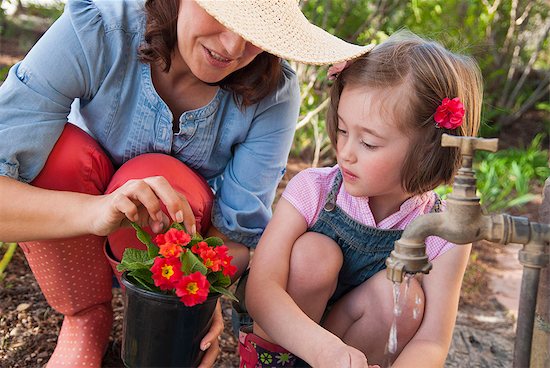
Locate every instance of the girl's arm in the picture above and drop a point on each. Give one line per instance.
(430, 346)
(272, 307)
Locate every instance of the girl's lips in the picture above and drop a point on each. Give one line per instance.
(348, 175)
(215, 59)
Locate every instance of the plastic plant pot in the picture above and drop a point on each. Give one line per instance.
(160, 331)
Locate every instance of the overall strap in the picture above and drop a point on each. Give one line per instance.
(330, 202)
(437, 204)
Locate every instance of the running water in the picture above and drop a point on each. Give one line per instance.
(417, 303)
(398, 301)
(391, 347)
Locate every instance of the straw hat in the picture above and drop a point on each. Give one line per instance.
(280, 28)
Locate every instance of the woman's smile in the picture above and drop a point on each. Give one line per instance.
(215, 59)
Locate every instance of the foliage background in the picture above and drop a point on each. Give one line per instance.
(508, 38)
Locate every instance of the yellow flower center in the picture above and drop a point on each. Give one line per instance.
(167, 271)
(192, 288)
(208, 263)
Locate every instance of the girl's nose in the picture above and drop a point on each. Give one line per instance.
(233, 44)
(346, 151)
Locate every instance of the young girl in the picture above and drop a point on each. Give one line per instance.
(317, 285)
(190, 111)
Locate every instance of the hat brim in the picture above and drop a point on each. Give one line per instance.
(280, 28)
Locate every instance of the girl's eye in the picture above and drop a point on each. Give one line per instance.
(340, 131)
(367, 146)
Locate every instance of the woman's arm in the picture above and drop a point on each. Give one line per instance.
(272, 307)
(30, 213)
(430, 346)
(242, 207)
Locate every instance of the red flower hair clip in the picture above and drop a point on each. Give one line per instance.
(449, 114)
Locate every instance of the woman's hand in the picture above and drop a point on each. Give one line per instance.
(139, 200)
(210, 342)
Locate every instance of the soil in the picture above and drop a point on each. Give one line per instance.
(483, 336)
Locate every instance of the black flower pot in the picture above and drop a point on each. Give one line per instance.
(160, 331)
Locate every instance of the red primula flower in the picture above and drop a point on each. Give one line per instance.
(199, 247)
(210, 259)
(173, 236)
(449, 114)
(227, 268)
(166, 272)
(170, 250)
(193, 289)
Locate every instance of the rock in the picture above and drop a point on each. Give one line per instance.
(23, 306)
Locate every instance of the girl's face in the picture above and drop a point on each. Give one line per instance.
(370, 147)
(209, 50)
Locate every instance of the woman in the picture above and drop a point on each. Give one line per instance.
(186, 114)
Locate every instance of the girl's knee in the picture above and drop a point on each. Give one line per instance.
(315, 261)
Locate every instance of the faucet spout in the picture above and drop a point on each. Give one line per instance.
(461, 223)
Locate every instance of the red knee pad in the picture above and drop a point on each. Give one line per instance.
(77, 163)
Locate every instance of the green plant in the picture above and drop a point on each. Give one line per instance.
(5, 261)
(4, 73)
(177, 264)
(504, 178)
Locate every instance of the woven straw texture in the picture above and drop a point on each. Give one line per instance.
(280, 28)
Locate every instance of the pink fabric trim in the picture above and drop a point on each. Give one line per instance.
(308, 190)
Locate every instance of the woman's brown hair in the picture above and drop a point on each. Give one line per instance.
(249, 84)
(429, 73)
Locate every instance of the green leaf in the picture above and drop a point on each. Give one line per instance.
(218, 279)
(223, 291)
(137, 277)
(213, 241)
(133, 259)
(178, 226)
(190, 263)
(145, 238)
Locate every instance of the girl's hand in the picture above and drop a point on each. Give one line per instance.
(210, 342)
(139, 200)
(344, 356)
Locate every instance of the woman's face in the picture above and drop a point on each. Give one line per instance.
(209, 50)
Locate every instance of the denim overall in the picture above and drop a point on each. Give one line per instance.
(365, 248)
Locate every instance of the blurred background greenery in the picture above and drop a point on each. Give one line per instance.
(508, 38)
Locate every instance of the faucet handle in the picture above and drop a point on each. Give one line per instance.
(468, 145)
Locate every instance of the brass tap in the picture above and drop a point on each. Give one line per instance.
(461, 223)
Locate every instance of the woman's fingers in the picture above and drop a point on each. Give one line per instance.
(124, 205)
(215, 330)
(210, 356)
(141, 193)
(186, 216)
(210, 342)
(140, 201)
(176, 204)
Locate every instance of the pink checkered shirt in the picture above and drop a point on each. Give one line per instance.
(308, 190)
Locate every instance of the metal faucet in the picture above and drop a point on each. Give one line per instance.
(462, 223)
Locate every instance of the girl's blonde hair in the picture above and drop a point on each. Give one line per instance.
(429, 73)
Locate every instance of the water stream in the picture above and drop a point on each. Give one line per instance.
(398, 302)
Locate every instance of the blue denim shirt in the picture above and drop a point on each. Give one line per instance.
(90, 54)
